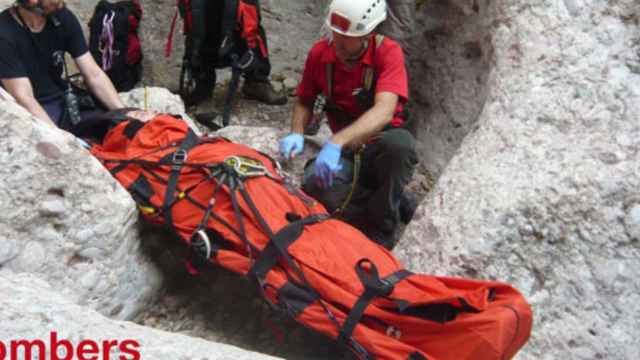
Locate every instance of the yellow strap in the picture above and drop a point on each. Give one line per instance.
(379, 39)
(146, 99)
(368, 72)
(146, 210)
(368, 78)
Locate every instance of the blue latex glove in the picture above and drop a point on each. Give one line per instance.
(327, 164)
(291, 145)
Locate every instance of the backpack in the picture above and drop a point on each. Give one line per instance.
(240, 22)
(233, 207)
(114, 41)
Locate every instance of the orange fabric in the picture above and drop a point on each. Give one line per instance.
(186, 26)
(327, 253)
(249, 21)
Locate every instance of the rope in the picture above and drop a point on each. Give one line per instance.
(357, 156)
(106, 41)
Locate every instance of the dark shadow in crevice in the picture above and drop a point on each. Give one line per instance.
(221, 306)
(450, 60)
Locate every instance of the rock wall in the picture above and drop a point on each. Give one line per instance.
(449, 71)
(543, 190)
(68, 220)
(65, 219)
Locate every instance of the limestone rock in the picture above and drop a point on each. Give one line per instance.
(159, 100)
(277, 86)
(290, 83)
(632, 222)
(542, 192)
(154, 99)
(34, 310)
(65, 219)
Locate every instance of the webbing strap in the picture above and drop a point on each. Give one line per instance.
(329, 72)
(367, 78)
(279, 244)
(168, 48)
(141, 191)
(367, 83)
(179, 157)
(295, 299)
(374, 287)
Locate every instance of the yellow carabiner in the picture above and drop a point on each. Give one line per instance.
(147, 210)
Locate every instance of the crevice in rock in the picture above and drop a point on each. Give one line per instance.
(451, 58)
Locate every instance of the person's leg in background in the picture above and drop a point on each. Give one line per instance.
(204, 41)
(388, 167)
(257, 85)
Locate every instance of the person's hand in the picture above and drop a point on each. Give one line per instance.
(142, 115)
(291, 145)
(327, 164)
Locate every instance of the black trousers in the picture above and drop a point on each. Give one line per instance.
(203, 45)
(91, 125)
(386, 167)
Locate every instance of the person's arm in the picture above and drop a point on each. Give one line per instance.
(370, 123)
(301, 116)
(306, 92)
(98, 82)
(22, 91)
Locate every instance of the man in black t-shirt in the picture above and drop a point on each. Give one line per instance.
(34, 36)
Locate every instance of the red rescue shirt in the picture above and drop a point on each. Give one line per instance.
(389, 70)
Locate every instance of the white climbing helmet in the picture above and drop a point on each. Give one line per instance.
(356, 17)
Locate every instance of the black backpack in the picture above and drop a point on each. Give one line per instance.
(114, 41)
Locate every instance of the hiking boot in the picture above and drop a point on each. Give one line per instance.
(408, 204)
(263, 91)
